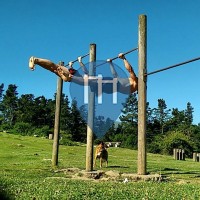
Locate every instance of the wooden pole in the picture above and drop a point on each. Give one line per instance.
(142, 97)
(57, 121)
(91, 105)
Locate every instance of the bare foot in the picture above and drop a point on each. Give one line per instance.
(31, 63)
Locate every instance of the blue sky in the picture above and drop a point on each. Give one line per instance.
(62, 30)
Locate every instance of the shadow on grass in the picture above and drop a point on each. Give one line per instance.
(178, 171)
(117, 166)
(3, 194)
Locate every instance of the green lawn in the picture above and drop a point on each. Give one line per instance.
(25, 173)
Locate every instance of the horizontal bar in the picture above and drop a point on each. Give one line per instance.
(118, 57)
(176, 65)
(77, 59)
(125, 53)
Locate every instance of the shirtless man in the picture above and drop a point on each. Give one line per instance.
(67, 74)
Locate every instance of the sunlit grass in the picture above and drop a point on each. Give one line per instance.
(25, 173)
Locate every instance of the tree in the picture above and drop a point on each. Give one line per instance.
(1, 95)
(189, 114)
(77, 125)
(50, 113)
(26, 108)
(177, 118)
(152, 127)
(177, 139)
(1, 91)
(83, 112)
(9, 104)
(129, 120)
(130, 110)
(40, 111)
(162, 113)
(102, 125)
(109, 136)
(65, 116)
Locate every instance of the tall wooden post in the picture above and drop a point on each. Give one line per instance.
(91, 105)
(57, 121)
(142, 97)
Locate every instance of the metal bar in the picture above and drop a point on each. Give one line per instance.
(77, 59)
(125, 53)
(118, 57)
(173, 66)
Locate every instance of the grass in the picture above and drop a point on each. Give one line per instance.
(26, 173)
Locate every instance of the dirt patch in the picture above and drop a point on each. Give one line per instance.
(112, 175)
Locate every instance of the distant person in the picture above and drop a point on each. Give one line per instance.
(124, 85)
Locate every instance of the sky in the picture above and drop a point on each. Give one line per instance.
(62, 30)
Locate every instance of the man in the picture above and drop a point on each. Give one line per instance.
(125, 85)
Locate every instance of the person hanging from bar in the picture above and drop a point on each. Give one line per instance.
(124, 85)
(132, 80)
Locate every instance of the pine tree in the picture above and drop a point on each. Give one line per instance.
(9, 104)
(25, 109)
(189, 114)
(65, 113)
(130, 110)
(177, 118)
(162, 114)
(129, 120)
(40, 114)
(1, 91)
(77, 125)
(1, 95)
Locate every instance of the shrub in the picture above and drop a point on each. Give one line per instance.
(22, 128)
(177, 139)
(42, 132)
(155, 146)
(66, 139)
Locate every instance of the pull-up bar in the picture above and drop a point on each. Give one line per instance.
(125, 53)
(172, 66)
(111, 59)
(71, 62)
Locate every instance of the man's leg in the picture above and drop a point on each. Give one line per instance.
(47, 64)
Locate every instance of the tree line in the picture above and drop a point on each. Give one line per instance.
(166, 128)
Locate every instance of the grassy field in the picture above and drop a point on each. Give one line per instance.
(26, 173)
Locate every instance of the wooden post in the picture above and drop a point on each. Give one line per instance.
(183, 154)
(57, 121)
(179, 154)
(91, 105)
(198, 154)
(195, 157)
(142, 97)
(175, 154)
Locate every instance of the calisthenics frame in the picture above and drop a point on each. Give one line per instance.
(89, 150)
(141, 104)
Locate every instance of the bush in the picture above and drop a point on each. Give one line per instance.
(178, 140)
(66, 139)
(42, 132)
(155, 146)
(22, 128)
(5, 127)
